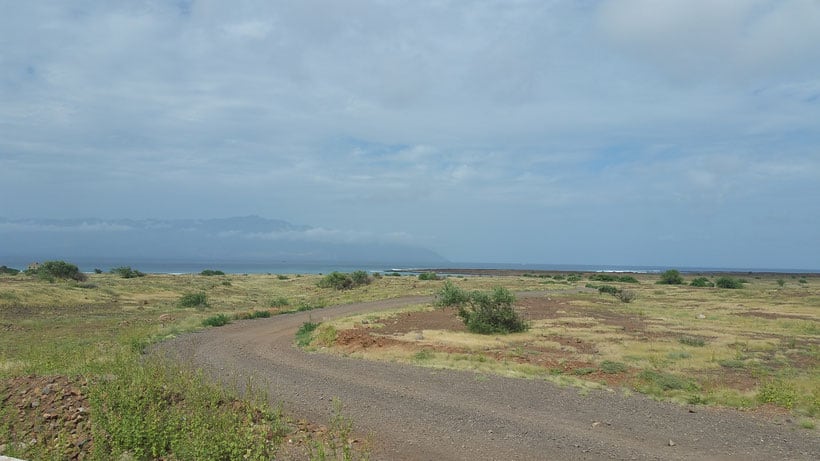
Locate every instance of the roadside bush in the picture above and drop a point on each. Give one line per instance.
(492, 313)
(728, 282)
(671, 277)
(252, 315)
(126, 272)
(50, 270)
(428, 276)
(342, 281)
(5, 270)
(216, 321)
(451, 295)
(304, 333)
(211, 272)
(193, 300)
(701, 282)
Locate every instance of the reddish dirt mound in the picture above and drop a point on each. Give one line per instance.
(39, 409)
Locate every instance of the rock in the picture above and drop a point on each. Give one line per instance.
(35, 403)
(701, 316)
(672, 443)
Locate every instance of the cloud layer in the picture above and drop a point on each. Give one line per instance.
(614, 132)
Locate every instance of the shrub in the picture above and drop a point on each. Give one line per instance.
(342, 281)
(670, 277)
(98, 271)
(252, 315)
(701, 282)
(211, 272)
(728, 282)
(428, 276)
(627, 279)
(781, 283)
(4, 270)
(608, 289)
(193, 300)
(451, 295)
(492, 313)
(393, 274)
(626, 296)
(50, 270)
(282, 277)
(602, 277)
(216, 321)
(780, 393)
(573, 278)
(126, 272)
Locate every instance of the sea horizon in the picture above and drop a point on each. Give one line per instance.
(191, 266)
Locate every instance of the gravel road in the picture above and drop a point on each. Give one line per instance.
(418, 413)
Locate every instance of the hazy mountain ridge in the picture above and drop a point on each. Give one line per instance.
(251, 238)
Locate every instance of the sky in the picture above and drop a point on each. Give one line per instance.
(636, 132)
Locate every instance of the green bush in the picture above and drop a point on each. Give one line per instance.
(216, 321)
(50, 270)
(602, 277)
(126, 272)
(282, 277)
(626, 296)
(428, 276)
(693, 341)
(573, 278)
(667, 381)
(393, 274)
(193, 300)
(701, 282)
(211, 272)
(728, 282)
(342, 281)
(671, 277)
(779, 393)
(5, 270)
(608, 289)
(252, 315)
(492, 313)
(451, 295)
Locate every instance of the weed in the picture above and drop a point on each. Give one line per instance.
(279, 301)
(422, 355)
(666, 381)
(778, 392)
(305, 332)
(610, 367)
(693, 341)
(216, 321)
(193, 300)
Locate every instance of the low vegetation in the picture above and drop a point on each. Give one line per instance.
(728, 282)
(211, 272)
(51, 270)
(428, 276)
(126, 272)
(343, 281)
(484, 313)
(5, 270)
(193, 300)
(671, 277)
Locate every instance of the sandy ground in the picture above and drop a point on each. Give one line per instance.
(418, 413)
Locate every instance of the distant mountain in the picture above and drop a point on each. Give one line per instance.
(248, 238)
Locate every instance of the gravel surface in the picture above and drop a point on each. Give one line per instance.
(418, 413)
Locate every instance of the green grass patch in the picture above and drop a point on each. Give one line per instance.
(216, 320)
(304, 335)
(693, 341)
(198, 300)
(611, 367)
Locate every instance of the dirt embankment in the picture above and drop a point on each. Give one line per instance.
(419, 413)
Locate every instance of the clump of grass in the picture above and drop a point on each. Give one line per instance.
(216, 321)
(193, 300)
(304, 335)
(612, 368)
(693, 341)
(252, 315)
(779, 393)
(152, 410)
(666, 381)
(279, 301)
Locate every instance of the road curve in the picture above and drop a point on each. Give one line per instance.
(418, 413)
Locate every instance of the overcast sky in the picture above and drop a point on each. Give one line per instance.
(676, 133)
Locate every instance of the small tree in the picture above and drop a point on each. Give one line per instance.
(451, 295)
(492, 313)
(57, 269)
(671, 277)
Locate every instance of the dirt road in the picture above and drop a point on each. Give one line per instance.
(423, 414)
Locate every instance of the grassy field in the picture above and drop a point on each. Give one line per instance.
(744, 348)
(755, 348)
